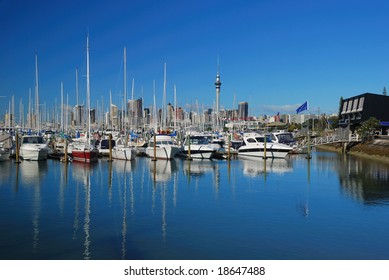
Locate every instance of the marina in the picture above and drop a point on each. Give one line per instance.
(332, 206)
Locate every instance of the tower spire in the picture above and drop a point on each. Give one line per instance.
(217, 85)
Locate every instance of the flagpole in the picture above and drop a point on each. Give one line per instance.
(309, 136)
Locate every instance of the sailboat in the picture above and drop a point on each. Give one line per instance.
(86, 153)
(122, 150)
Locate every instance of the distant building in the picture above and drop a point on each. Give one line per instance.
(79, 114)
(92, 113)
(135, 111)
(243, 110)
(359, 108)
(180, 114)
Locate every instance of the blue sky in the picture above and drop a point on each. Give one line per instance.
(273, 54)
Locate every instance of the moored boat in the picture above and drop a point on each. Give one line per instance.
(86, 153)
(33, 147)
(5, 146)
(163, 147)
(257, 145)
(198, 146)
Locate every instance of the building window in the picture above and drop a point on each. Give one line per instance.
(355, 105)
(360, 106)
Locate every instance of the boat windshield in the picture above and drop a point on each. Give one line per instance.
(285, 137)
(199, 140)
(262, 139)
(33, 140)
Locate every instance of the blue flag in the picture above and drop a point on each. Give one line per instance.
(302, 107)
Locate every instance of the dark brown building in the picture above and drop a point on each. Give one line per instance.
(359, 108)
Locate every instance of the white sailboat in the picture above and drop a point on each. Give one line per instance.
(86, 153)
(122, 150)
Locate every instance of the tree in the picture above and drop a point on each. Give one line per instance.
(367, 128)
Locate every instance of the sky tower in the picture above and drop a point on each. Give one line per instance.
(218, 83)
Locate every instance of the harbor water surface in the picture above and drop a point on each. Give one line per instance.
(329, 207)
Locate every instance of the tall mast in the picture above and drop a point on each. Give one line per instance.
(62, 114)
(77, 109)
(110, 110)
(36, 93)
(175, 108)
(77, 86)
(132, 102)
(155, 111)
(164, 97)
(125, 91)
(88, 86)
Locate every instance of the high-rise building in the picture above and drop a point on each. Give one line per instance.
(243, 109)
(135, 111)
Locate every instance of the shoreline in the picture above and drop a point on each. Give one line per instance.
(376, 149)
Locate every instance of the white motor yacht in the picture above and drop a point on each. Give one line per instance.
(33, 147)
(163, 148)
(199, 147)
(257, 145)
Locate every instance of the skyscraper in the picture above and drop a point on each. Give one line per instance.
(243, 109)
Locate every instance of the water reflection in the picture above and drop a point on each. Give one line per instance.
(253, 166)
(33, 172)
(196, 168)
(146, 209)
(81, 173)
(162, 170)
(365, 180)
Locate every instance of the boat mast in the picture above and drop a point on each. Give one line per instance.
(62, 124)
(77, 104)
(36, 93)
(155, 111)
(125, 92)
(175, 108)
(132, 103)
(164, 98)
(88, 88)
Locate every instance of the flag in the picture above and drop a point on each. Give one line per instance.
(302, 107)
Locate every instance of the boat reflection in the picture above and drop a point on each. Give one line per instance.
(198, 168)
(33, 172)
(253, 167)
(81, 171)
(162, 170)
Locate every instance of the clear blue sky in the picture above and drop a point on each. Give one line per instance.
(273, 54)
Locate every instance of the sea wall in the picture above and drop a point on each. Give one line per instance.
(376, 149)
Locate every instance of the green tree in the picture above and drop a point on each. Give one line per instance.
(367, 128)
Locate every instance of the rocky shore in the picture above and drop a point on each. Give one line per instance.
(376, 149)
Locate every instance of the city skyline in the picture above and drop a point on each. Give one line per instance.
(274, 55)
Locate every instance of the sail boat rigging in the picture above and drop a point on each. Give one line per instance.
(122, 150)
(86, 153)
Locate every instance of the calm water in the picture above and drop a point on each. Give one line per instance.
(330, 207)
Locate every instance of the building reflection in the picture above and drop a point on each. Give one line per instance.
(364, 180)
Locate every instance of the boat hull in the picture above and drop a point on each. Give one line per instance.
(123, 153)
(163, 152)
(202, 152)
(261, 152)
(4, 155)
(34, 152)
(85, 155)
